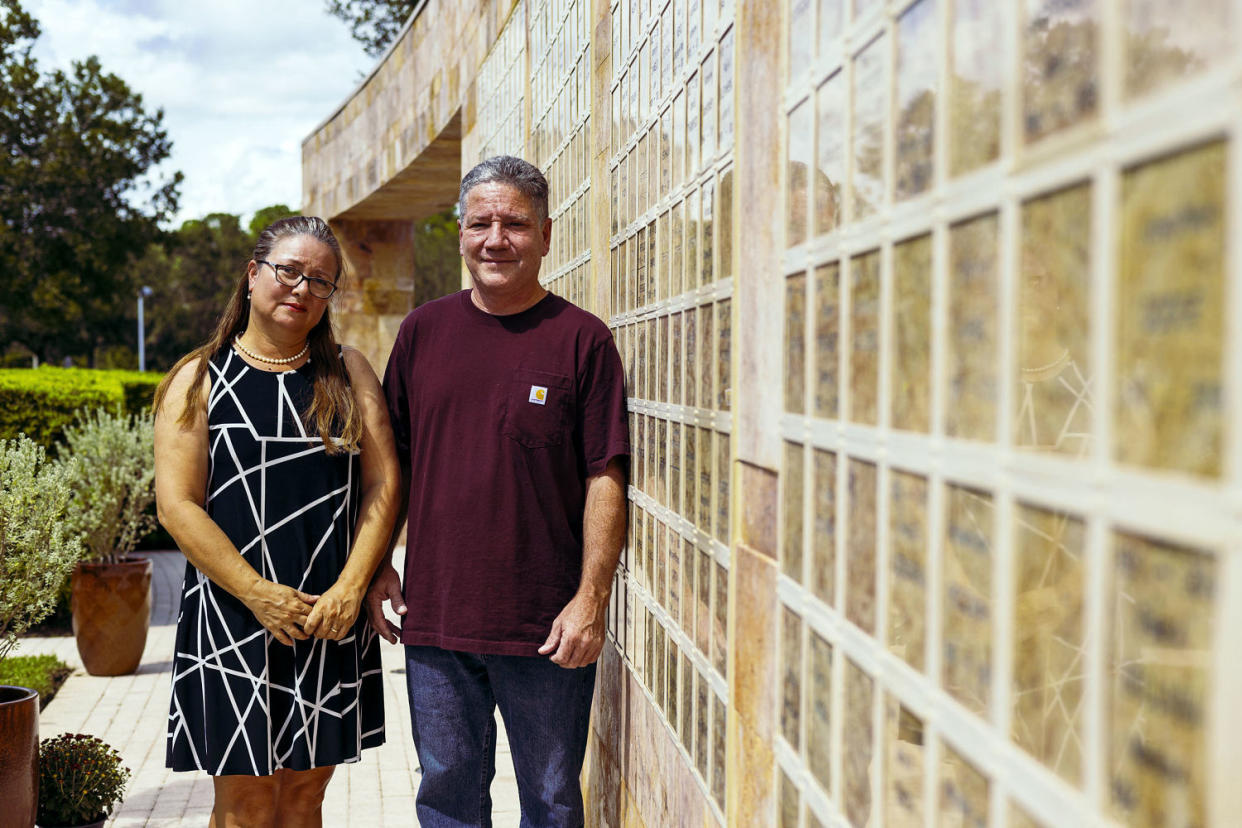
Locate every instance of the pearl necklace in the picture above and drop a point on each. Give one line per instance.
(284, 361)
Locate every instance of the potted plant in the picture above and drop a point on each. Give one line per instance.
(37, 552)
(81, 779)
(109, 458)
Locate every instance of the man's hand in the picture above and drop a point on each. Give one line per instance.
(577, 636)
(385, 586)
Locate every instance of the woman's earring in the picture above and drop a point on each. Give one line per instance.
(249, 293)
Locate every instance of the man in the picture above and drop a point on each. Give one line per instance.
(508, 405)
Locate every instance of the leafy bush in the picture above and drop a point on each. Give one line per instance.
(37, 547)
(110, 467)
(41, 402)
(81, 779)
(43, 674)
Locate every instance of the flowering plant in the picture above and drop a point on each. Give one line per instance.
(81, 779)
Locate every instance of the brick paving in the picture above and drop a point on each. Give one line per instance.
(130, 713)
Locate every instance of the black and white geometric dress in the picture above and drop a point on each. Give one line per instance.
(242, 702)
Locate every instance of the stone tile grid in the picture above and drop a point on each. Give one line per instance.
(129, 712)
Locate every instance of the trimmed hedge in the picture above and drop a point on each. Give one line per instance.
(40, 402)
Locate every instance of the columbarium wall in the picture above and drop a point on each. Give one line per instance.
(936, 496)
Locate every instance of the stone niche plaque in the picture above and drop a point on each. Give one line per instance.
(977, 65)
(903, 770)
(1157, 53)
(864, 337)
(827, 330)
(791, 677)
(907, 556)
(966, 649)
(829, 154)
(916, 98)
(911, 363)
(824, 527)
(970, 400)
(1049, 638)
(797, 170)
(1170, 313)
(1163, 603)
(858, 748)
(870, 123)
(1054, 394)
(964, 792)
(1059, 84)
(861, 546)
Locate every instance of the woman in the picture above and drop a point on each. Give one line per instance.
(277, 476)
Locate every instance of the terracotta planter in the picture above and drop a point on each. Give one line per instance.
(19, 756)
(111, 606)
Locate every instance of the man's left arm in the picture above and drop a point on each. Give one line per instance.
(577, 636)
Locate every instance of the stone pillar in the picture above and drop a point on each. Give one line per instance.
(754, 610)
(380, 287)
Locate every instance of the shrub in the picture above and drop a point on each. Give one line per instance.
(110, 467)
(37, 548)
(40, 403)
(43, 674)
(81, 779)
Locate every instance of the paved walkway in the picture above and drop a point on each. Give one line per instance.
(131, 713)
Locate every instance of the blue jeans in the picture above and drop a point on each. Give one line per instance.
(546, 710)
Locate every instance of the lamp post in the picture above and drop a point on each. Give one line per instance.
(143, 292)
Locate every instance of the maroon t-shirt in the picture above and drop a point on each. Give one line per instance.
(501, 419)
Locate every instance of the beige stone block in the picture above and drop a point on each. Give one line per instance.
(759, 487)
(1170, 313)
(1161, 636)
(753, 689)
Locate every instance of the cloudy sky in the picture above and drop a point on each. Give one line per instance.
(241, 82)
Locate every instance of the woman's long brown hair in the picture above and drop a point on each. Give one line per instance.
(332, 411)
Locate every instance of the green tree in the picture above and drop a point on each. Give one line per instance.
(266, 215)
(77, 197)
(191, 273)
(373, 23)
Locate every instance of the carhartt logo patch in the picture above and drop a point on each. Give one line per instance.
(538, 395)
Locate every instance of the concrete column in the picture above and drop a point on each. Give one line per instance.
(380, 287)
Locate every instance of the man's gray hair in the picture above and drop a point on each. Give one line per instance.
(505, 169)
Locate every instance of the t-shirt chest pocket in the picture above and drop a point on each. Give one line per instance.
(537, 405)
